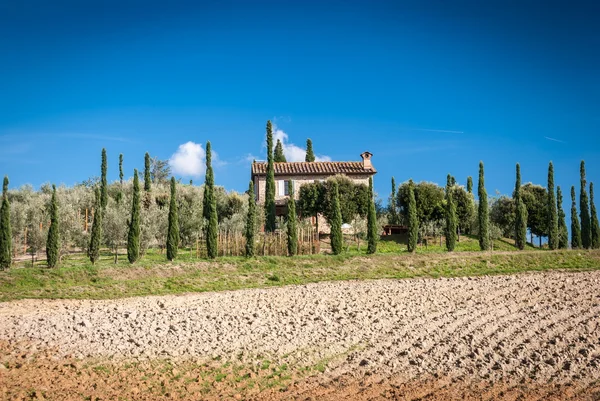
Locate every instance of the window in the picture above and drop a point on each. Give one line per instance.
(283, 188)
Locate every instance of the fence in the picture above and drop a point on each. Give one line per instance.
(231, 243)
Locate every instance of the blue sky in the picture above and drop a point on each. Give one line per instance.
(429, 87)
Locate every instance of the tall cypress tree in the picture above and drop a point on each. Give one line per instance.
(52, 241)
(392, 207)
(147, 179)
(594, 217)
(451, 219)
(584, 211)
(173, 232)
(292, 229)
(310, 155)
(371, 221)
(335, 224)
(484, 237)
(209, 182)
(5, 230)
(563, 232)
(103, 183)
(470, 184)
(552, 214)
(133, 234)
(250, 222)
(278, 156)
(521, 214)
(210, 207)
(413, 220)
(575, 227)
(120, 193)
(270, 223)
(96, 237)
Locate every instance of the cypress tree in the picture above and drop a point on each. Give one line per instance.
(52, 241)
(147, 180)
(292, 231)
(96, 237)
(584, 211)
(563, 232)
(594, 217)
(310, 155)
(413, 221)
(270, 223)
(103, 183)
(470, 184)
(521, 214)
(552, 214)
(393, 211)
(371, 221)
(173, 232)
(120, 194)
(209, 183)
(451, 220)
(484, 238)
(336, 223)
(210, 207)
(133, 234)
(250, 221)
(121, 168)
(278, 156)
(5, 231)
(575, 227)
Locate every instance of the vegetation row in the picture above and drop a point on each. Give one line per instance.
(95, 214)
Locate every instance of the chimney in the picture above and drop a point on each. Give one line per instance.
(366, 158)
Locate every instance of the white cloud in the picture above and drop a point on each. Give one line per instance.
(292, 152)
(189, 160)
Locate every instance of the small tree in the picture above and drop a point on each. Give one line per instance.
(371, 221)
(552, 214)
(335, 224)
(52, 245)
(121, 175)
(292, 229)
(575, 227)
(279, 157)
(470, 184)
(310, 155)
(413, 220)
(5, 231)
(584, 211)
(147, 178)
(563, 232)
(521, 214)
(210, 207)
(270, 223)
(250, 229)
(173, 232)
(133, 234)
(484, 238)
(594, 217)
(103, 183)
(96, 237)
(451, 221)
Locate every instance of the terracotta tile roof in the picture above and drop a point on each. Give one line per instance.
(316, 168)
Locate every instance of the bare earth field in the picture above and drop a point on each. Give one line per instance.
(527, 336)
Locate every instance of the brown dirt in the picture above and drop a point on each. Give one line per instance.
(523, 337)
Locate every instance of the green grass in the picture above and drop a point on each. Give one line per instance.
(76, 278)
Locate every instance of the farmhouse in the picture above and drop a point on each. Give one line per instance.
(300, 173)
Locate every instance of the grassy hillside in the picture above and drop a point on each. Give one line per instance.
(77, 278)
